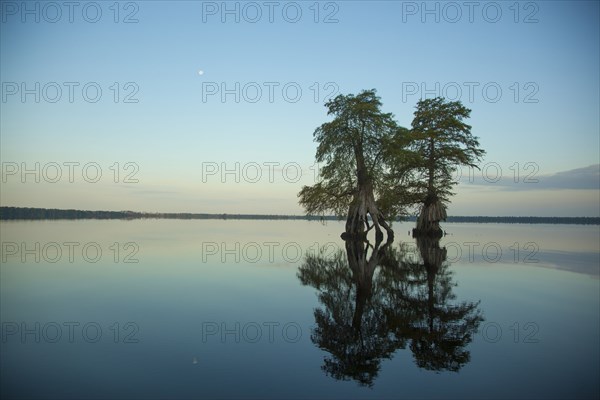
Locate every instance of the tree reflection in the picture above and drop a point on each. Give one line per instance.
(441, 328)
(368, 313)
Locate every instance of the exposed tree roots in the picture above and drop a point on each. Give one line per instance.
(357, 223)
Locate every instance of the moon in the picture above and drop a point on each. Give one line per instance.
(200, 72)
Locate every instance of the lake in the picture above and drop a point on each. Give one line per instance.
(286, 309)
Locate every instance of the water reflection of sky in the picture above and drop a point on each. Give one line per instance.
(183, 285)
(573, 248)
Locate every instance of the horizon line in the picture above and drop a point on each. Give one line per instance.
(23, 213)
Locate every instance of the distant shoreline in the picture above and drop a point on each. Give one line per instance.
(28, 213)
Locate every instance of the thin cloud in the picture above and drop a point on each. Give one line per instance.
(586, 178)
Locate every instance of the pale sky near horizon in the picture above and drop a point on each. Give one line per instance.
(211, 106)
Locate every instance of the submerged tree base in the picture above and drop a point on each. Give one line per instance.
(360, 236)
(362, 207)
(428, 222)
(432, 233)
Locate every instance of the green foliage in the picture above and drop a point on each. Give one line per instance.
(352, 149)
(406, 168)
(441, 142)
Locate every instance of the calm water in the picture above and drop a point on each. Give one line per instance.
(277, 309)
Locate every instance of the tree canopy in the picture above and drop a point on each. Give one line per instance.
(352, 147)
(441, 142)
(375, 168)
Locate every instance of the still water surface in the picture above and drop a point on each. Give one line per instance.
(286, 309)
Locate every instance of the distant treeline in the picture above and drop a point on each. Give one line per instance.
(10, 213)
(527, 220)
(26, 213)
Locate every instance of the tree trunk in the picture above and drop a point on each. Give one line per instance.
(357, 223)
(363, 205)
(433, 211)
(428, 222)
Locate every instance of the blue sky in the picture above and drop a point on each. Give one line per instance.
(528, 71)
